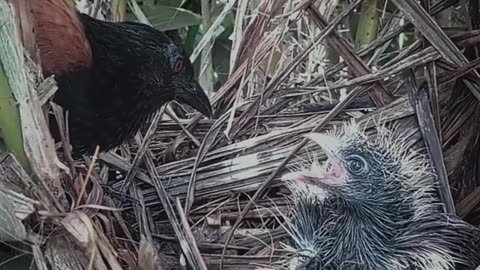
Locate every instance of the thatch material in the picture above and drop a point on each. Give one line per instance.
(206, 192)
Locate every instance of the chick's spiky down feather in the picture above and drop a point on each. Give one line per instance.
(373, 205)
(112, 76)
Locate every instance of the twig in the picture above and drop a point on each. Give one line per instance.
(419, 101)
(142, 149)
(88, 176)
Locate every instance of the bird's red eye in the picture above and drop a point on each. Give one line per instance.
(178, 66)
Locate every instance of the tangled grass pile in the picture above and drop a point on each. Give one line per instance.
(207, 192)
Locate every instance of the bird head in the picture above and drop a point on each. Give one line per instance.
(146, 56)
(362, 170)
(186, 88)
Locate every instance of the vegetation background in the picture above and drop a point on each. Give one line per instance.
(274, 69)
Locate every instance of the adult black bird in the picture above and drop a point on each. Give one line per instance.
(373, 205)
(112, 77)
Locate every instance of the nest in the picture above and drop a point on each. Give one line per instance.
(206, 193)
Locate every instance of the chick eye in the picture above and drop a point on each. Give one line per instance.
(178, 66)
(357, 165)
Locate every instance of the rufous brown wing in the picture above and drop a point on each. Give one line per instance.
(60, 37)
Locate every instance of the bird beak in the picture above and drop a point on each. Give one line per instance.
(328, 144)
(314, 175)
(193, 95)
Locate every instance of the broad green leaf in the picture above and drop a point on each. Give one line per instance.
(11, 228)
(167, 17)
(10, 126)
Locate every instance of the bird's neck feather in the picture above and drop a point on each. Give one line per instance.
(123, 68)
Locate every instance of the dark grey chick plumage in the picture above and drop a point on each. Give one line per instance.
(373, 206)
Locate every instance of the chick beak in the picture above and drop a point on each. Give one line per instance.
(328, 144)
(193, 95)
(316, 176)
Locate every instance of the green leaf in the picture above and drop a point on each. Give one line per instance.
(11, 228)
(10, 126)
(190, 40)
(369, 22)
(168, 18)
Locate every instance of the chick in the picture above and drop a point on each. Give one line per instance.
(373, 205)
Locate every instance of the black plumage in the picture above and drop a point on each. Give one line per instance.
(373, 205)
(120, 75)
